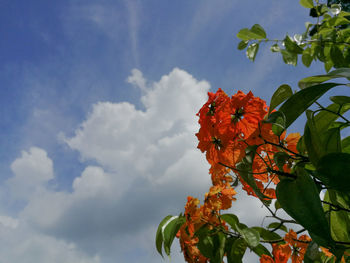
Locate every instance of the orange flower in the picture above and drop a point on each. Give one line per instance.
(281, 253)
(299, 245)
(266, 259)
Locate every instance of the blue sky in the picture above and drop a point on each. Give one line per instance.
(97, 110)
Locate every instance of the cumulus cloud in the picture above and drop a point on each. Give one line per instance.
(31, 171)
(146, 163)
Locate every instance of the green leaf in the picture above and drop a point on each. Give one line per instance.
(306, 3)
(313, 142)
(333, 170)
(278, 225)
(341, 100)
(280, 95)
(337, 57)
(258, 30)
(266, 234)
(289, 57)
(278, 121)
(245, 171)
(237, 251)
(332, 140)
(252, 50)
(170, 229)
(292, 46)
(339, 219)
(306, 58)
(300, 199)
(251, 236)
(232, 220)
(206, 246)
(302, 100)
(338, 73)
(275, 48)
(243, 44)
(159, 234)
(261, 250)
(326, 117)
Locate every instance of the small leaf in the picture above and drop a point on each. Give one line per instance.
(275, 48)
(289, 57)
(291, 46)
(159, 234)
(278, 120)
(243, 44)
(281, 94)
(307, 3)
(258, 30)
(261, 250)
(170, 230)
(341, 100)
(266, 234)
(306, 58)
(252, 50)
(232, 220)
(280, 226)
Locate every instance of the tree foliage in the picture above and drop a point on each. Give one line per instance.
(245, 141)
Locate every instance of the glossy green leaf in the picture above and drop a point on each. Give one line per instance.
(306, 58)
(170, 229)
(237, 251)
(278, 121)
(206, 246)
(339, 219)
(278, 225)
(313, 143)
(251, 236)
(333, 170)
(338, 73)
(159, 234)
(302, 100)
(289, 57)
(300, 199)
(252, 50)
(307, 3)
(326, 117)
(291, 46)
(280, 95)
(232, 220)
(258, 30)
(266, 234)
(242, 44)
(261, 250)
(332, 140)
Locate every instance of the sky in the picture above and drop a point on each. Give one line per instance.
(97, 117)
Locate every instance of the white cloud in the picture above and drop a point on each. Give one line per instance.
(31, 171)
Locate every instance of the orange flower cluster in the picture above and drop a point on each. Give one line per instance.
(295, 248)
(228, 125)
(218, 198)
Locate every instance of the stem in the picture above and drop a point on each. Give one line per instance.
(336, 206)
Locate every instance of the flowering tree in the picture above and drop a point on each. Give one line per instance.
(245, 141)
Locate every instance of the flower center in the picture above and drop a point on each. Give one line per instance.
(238, 115)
